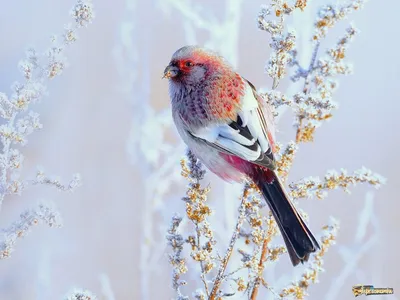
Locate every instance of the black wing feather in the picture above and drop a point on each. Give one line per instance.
(265, 159)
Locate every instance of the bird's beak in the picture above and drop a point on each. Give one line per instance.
(170, 71)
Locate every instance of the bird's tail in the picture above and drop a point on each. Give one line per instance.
(298, 238)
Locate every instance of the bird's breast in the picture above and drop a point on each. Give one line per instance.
(213, 100)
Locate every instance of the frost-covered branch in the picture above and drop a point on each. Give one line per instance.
(43, 214)
(19, 122)
(42, 179)
(282, 41)
(236, 234)
(313, 186)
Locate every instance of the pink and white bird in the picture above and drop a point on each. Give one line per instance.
(229, 127)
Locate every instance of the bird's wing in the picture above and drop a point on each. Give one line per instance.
(248, 137)
(266, 117)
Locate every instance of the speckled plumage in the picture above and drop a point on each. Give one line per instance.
(221, 118)
(215, 99)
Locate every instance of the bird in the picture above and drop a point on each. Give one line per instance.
(230, 128)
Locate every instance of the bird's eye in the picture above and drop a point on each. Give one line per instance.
(189, 64)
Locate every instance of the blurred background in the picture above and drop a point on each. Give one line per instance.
(107, 117)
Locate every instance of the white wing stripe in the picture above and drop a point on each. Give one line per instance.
(233, 134)
(250, 114)
(238, 149)
(212, 133)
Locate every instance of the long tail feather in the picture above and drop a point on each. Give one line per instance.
(298, 238)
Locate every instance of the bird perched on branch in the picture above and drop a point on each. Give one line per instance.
(230, 128)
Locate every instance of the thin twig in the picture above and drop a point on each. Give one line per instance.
(299, 131)
(306, 88)
(263, 258)
(220, 276)
(202, 276)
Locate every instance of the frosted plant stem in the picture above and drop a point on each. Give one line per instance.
(203, 277)
(310, 69)
(6, 149)
(220, 276)
(306, 89)
(263, 258)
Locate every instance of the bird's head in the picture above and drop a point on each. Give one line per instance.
(192, 64)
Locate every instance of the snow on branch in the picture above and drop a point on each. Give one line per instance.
(313, 186)
(43, 214)
(19, 122)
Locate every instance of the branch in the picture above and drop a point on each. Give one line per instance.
(42, 214)
(220, 276)
(313, 186)
(263, 258)
(306, 89)
(37, 70)
(41, 178)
